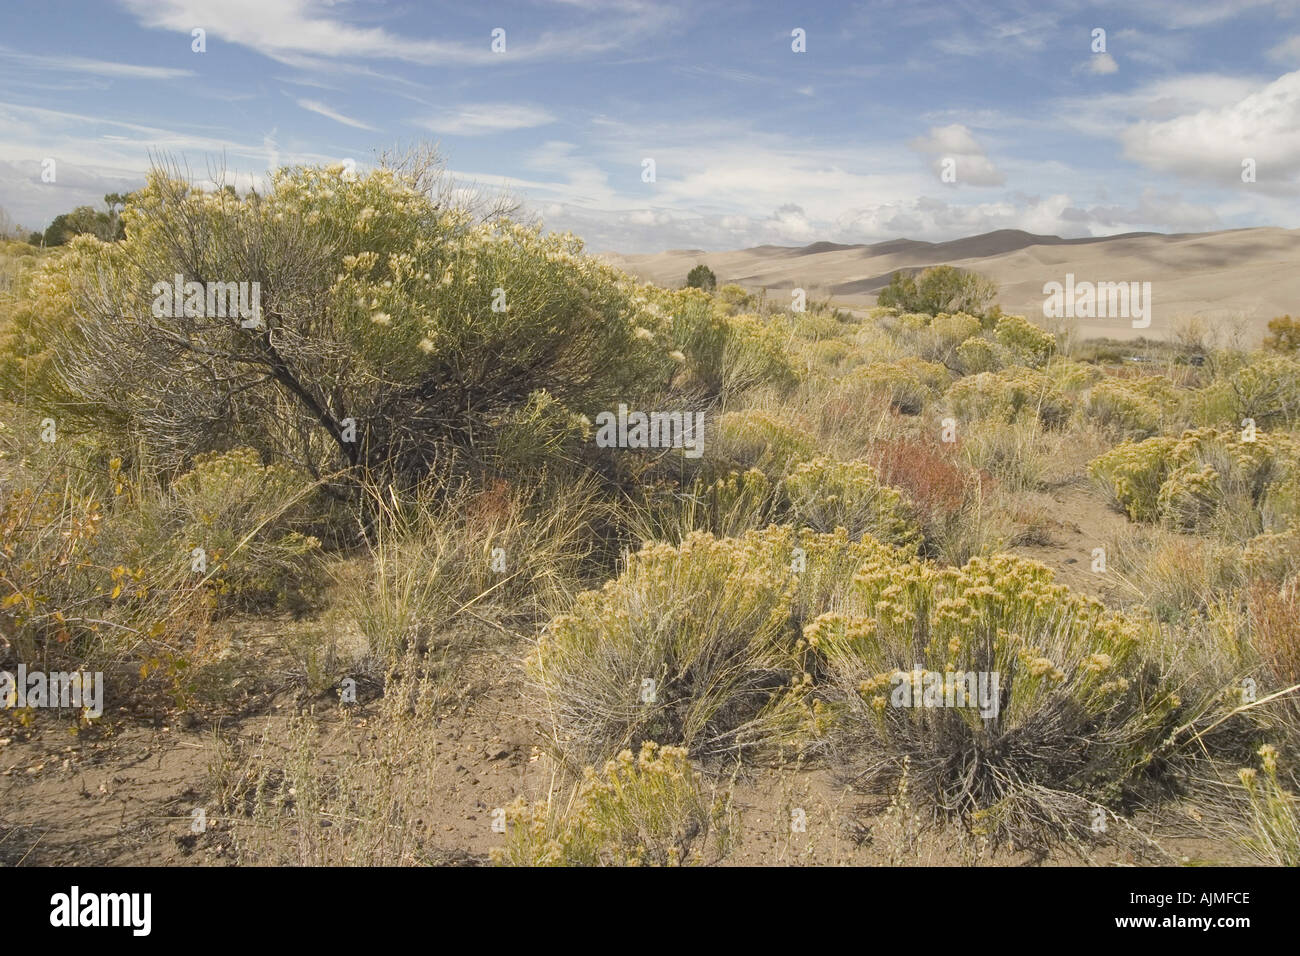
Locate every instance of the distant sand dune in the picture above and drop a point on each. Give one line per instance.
(1248, 275)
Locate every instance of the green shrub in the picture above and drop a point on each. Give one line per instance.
(702, 277)
(939, 289)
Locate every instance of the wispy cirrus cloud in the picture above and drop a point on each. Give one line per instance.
(289, 30)
(480, 119)
(81, 64)
(316, 106)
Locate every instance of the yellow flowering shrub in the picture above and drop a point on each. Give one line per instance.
(907, 383)
(977, 355)
(1137, 408)
(1205, 480)
(825, 494)
(1013, 394)
(647, 810)
(1069, 673)
(694, 645)
(1026, 342)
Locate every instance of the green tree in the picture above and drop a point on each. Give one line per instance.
(939, 289)
(701, 277)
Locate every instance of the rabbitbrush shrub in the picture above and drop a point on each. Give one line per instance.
(694, 645)
(647, 810)
(396, 327)
(1074, 718)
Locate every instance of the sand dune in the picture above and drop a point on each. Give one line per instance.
(1239, 275)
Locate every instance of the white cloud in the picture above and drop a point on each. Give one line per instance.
(1288, 51)
(1101, 64)
(1211, 143)
(108, 68)
(315, 106)
(957, 143)
(302, 32)
(478, 119)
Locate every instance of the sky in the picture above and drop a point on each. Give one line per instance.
(913, 119)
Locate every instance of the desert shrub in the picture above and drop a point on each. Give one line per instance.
(1136, 408)
(753, 354)
(1207, 480)
(246, 518)
(1283, 335)
(1272, 609)
(827, 353)
(1074, 718)
(695, 644)
(825, 494)
(938, 343)
(1027, 342)
(1008, 396)
(1132, 473)
(976, 355)
(765, 440)
(939, 289)
(702, 277)
(735, 299)
(1268, 391)
(381, 303)
(720, 355)
(1273, 815)
(647, 810)
(948, 499)
(908, 383)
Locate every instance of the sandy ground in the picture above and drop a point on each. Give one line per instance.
(124, 792)
(1247, 275)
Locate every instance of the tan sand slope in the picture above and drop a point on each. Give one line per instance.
(1238, 275)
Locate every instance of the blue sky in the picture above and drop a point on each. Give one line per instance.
(752, 142)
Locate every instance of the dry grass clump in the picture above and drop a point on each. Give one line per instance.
(299, 796)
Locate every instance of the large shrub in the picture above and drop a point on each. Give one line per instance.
(939, 289)
(394, 326)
